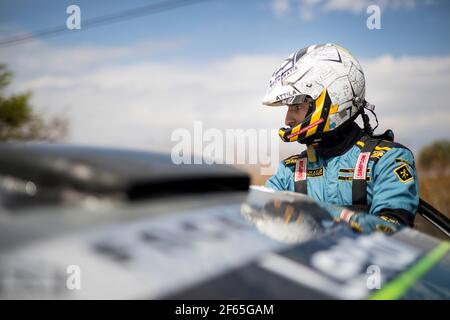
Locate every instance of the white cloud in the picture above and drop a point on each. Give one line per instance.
(411, 95)
(27, 57)
(139, 103)
(310, 9)
(280, 6)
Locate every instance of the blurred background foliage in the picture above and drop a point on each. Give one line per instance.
(18, 120)
(434, 174)
(433, 168)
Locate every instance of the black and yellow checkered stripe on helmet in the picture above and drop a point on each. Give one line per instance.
(323, 104)
(318, 122)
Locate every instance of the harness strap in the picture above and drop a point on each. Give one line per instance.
(359, 183)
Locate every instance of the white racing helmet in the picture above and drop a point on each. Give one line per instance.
(327, 76)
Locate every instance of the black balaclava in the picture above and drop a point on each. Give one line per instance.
(340, 143)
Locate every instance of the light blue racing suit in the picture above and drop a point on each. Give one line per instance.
(391, 188)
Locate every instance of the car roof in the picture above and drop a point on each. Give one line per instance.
(137, 174)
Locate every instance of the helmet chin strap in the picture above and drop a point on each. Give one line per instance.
(387, 135)
(367, 127)
(362, 104)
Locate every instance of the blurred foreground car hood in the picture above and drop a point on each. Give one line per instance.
(63, 238)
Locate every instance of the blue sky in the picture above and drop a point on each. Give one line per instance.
(216, 58)
(219, 28)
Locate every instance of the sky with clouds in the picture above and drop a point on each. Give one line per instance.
(131, 83)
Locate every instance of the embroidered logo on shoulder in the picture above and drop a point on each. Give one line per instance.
(399, 160)
(315, 172)
(403, 173)
(377, 154)
(291, 160)
(381, 148)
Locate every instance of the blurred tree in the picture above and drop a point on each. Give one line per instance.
(434, 181)
(435, 156)
(18, 121)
